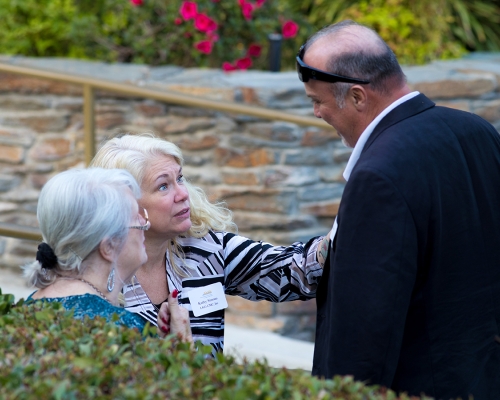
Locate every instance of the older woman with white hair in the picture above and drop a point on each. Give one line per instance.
(192, 247)
(93, 243)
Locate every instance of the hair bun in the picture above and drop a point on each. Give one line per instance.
(45, 256)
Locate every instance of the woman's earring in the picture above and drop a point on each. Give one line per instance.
(111, 280)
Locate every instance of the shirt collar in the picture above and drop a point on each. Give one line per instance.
(358, 148)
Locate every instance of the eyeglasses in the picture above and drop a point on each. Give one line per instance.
(306, 72)
(144, 217)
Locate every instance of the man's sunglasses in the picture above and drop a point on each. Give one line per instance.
(306, 72)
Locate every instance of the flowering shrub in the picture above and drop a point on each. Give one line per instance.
(227, 34)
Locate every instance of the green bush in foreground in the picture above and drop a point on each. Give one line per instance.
(45, 353)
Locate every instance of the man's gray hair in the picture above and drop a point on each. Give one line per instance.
(377, 65)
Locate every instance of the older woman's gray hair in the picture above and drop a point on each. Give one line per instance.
(77, 209)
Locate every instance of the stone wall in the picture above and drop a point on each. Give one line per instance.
(283, 182)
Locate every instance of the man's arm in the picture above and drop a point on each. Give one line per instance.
(373, 271)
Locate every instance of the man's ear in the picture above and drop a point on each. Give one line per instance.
(358, 97)
(107, 250)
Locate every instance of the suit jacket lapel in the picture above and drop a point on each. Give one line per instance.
(409, 108)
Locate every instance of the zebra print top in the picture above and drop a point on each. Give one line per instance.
(252, 270)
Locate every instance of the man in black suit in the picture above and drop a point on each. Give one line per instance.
(410, 296)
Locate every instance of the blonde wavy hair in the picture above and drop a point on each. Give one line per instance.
(134, 152)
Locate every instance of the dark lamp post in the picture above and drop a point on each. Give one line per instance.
(275, 40)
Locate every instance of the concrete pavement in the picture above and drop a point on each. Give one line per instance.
(240, 342)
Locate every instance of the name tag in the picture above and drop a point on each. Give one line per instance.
(207, 299)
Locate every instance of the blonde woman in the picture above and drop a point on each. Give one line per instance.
(192, 246)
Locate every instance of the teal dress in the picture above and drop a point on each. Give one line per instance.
(94, 306)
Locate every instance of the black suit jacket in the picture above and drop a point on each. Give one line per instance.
(410, 297)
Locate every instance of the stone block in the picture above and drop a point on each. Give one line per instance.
(150, 109)
(246, 95)
(317, 137)
(38, 180)
(195, 159)
(190, 112)
(109, 120)
(322, 209)
(225, 125)
(321, 192)
(490, 110)
(240, 305)
(25, 248)
(237, 140)
(16, 136)
(26, 85)
(50, 149)
(244, 178)
(71, 104)
(290, 177)
(23, 103)
(174, 125)
(298, 235)
(250, 221)
(203, 142)
(11, 154)
(300, 327)
(8, 182)
(262, 201)
(469, 86)
(243, 158)
(20, 195)
(275, 177)
(6, 207)
(38, 121)
(250, 321)
(342, 154)
(309, 156)
(275, 131)
(332, 173)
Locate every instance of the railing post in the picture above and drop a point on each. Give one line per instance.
(275, 40)
(88, 123)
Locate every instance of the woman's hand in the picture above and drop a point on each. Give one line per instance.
(173, 318)
(322, 251)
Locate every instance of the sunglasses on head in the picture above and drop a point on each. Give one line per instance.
(306, 72)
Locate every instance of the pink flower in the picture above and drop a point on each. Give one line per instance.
(247, 10)
(260, 2)
(136, 3)
(290, 29)
(241, 2)
(228, 67)
(188, 10)
(254, 50)
(244, 63)
(204, 23)
(178, 21)
(204, 46)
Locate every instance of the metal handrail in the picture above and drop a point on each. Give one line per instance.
(90, 84)
(20, 232)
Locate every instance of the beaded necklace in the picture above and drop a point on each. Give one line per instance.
(93, 287)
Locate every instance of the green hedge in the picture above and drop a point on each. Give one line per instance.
(45, 353)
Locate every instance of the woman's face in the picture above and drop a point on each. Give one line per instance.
(166, 198)
(133, 253)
